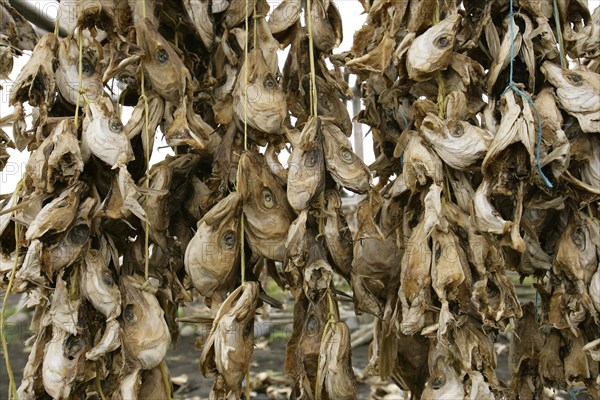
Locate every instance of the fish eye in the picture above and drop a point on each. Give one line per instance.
(438, 382)
(87, 68)
(457, 131)
(443, 42)
(249, 328)
(107, 278)
(73, 346)
(79, 234)
(128, 314)
(115, 125)
(228, 240)
(311, 159)
(575, 79)
(270, 83)
(347, 155)
(312, 325)
(267, 198)
(162, 56)
(578, 238)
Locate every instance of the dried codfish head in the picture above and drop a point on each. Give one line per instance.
(184, 130)
(98, 285)
(165, 69)
(551, 367)
(459, 143)
(525, 346)
(157, 206)
(449, 269)
(36, 81)
(346, 168)
(338, 237)
(326, 25)
(444, 380)
(57, 215)
(137, 122)
(145, 333)
(336, 375)
(64, 363)
(201, 15)
(578, 365)
(478, 356)
(415, 287)
(212, 254)
(104, 136)
(420, 164)
(57, 159)
(32, 381)
(67, 72)
(235, 10)
(284, 18)
(578, 92)
(317, 272)
(260, 101)
(267, 44)
(63, 250)
(432, 50)
(266, 209)
(64, 312)
(230, 345)
(306, 175)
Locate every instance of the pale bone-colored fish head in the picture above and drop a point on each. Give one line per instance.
(212, 254)
(145, 332)
(98, 285)
(266, 208)
(104, 135)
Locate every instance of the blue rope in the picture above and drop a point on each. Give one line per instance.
(403, 117)
(511, 85)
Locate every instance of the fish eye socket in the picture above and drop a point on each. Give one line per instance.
(115, 125)
(575, 79)
(107, 278)
(270, 83)
(438, 251)
(438, 382)
(312, 325)
(73, 346)
(162, 56)
(578, 238)
(457, 131)
(442, 42)
(228, 240)
(347, 155)
(87, 68)
(267, 198)
(79, 234)
(128, 314)
(311, 159)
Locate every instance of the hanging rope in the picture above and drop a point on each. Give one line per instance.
(511, 85)
(311, 56)
(563, 61)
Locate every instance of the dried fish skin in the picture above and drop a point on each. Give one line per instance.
(578, 92)
(110, 341)
(36, 81)
(577, 364)
(326, 25)
(338, 237)
(63, 363)
(306, 174)
(145, 333)
(230, 345)
(576, 251)
(212, 255)
(525, 346)
(415, 293)
(200, 14)
(346, 168)
(67, 73)
(261, 98)
(284, 16)
(57, 215)
(484, 216)
(458, 143)
(104, 136)
(267, 212)
(594, 290)
(98, 286)
(432, 50)
(317, 274)
(551, 367)
(164, 68)
(420, 164)
(336, 374)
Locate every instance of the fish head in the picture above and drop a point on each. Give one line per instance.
(212, 253)
(266, 208)
(98, 285)
(262, 98)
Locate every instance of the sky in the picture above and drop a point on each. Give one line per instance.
(352, 17)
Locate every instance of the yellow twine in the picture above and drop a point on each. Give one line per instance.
(12, 387)
(147, 183)
(311, 55)
(79, 89)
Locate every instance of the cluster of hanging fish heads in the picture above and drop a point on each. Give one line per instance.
(485, 117)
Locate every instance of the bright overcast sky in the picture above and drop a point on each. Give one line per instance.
(350, 11)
